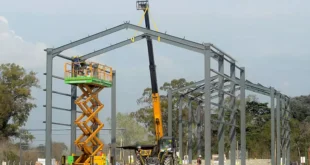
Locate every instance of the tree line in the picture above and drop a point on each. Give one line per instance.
(258, 123)
(16, 103)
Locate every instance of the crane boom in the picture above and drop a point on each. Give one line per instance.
(164, 151)
(155, 95)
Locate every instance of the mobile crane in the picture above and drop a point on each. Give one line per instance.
(164, 150)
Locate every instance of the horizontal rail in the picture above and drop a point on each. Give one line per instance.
(59, 123)
(58, 77)
(217, 121)
(63, 109)
(64, 57)
(225, 76)
(60, 93)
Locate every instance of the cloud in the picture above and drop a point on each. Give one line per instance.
(14, 49)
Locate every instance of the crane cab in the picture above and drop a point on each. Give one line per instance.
(167, 143)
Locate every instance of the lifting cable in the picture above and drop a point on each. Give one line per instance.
(140, 22)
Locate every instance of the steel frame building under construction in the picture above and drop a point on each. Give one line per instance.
(208, 86)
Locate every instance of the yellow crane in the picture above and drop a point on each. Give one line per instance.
(164, 150)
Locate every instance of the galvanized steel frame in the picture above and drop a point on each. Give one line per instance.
(279, 114)
(208, 50)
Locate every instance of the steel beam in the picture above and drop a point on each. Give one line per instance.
(169, 37)
(63, 109)
(55, 123)
(89, 38)
(201, 82)
(58, 77)
(49, 83)
(113, 117)
(64, 57)
(223, 75)
(207, 107)
(178, 44)
(242, 116)
(110, 48)
(60, 93)
(223, 53)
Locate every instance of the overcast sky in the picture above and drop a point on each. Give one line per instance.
(269, 38)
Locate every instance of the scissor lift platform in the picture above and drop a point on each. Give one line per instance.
(88, 73)
(87, 80)
(91, 78)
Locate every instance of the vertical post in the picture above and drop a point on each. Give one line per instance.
(113, 116)
(221, 113)
(242, 116)
(73, 118)
(289, 132)
(232, 116)
(198, 123)
(169, 112)
(207, 107)
(283, 130)
(190, 132)
(199, 139)
(20, 148)
(180, 129)
(49, 83)
(278, 130)
(272, 126)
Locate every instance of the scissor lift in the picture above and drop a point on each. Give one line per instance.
(91, 78)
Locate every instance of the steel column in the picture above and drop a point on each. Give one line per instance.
(242, 116)
(233, 143)
(190, 132)
(180, 129)
(278, 130)
(221, 112)
(73, 117)
(207, 107)
(282, 119)
(197, 120)
(49, 83)
(272, 126)
(288, 137)
(169, 112)
(113, 116)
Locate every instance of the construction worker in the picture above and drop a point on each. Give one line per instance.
(76, 65)
(138, 150)
(199, 160)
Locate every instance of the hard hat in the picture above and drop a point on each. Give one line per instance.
(200, 156)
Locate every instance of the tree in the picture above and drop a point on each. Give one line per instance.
(299, 125)
(15, 98)
(133, 132)
(58, 149)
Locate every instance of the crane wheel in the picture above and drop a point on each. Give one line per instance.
(168, 161)
(138, 162)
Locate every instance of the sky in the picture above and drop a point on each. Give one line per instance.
(269, 38)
